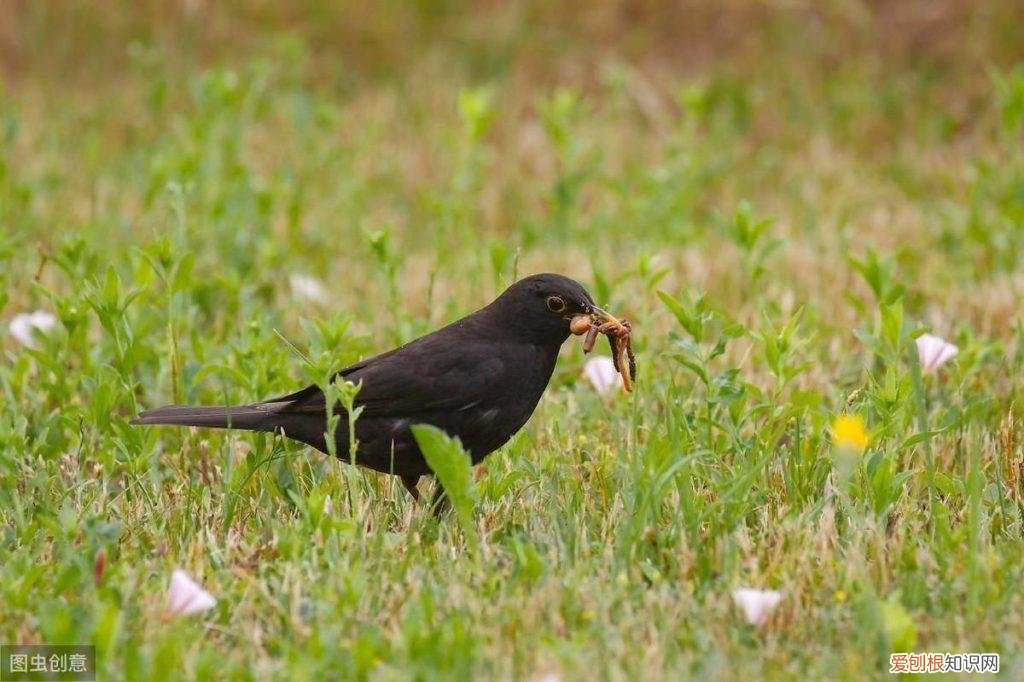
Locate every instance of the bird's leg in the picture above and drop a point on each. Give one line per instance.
(439, 502)
(410, 484)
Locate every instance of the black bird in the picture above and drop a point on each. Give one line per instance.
(479, 378)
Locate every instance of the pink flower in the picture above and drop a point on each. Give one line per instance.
(934, 352)
(757, 605)
(186, 597)
(600, 370)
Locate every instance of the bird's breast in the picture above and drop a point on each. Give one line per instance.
(493, 420)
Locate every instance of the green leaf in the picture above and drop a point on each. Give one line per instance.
(676, 307)
(946, 484)
(477, 110)
(693, 367)
(900, 629)
(453, 467)
(892, 322)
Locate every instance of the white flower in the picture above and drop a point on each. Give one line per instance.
(600, 370)
(186, 596)
(24, 325)
(310, 288)
(328, 506)
(757, 605)
(934, 352)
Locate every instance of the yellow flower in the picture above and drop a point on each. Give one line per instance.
(848, 432)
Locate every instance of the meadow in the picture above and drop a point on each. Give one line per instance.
(219, 202)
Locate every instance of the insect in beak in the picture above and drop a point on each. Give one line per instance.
(599, 321)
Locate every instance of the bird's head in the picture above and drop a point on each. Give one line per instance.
(542, 307)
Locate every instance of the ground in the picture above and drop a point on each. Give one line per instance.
(780, 197)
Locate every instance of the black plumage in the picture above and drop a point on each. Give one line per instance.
(479, 378)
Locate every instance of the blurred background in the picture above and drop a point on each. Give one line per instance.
(422, 147)
(345, 49)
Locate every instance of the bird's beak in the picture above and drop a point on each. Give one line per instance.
(581, 323)
(600, 315)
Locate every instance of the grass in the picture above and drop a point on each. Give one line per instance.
(780, 204)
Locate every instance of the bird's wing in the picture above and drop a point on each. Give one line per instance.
(415, 379)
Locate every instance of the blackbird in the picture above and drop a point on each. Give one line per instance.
(478, 378)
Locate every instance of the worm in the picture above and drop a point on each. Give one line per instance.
(588, 342)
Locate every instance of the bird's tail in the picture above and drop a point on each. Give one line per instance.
(254, 417)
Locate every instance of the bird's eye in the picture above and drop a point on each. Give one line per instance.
(556, 304)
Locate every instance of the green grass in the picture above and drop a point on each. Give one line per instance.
(779, 216)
